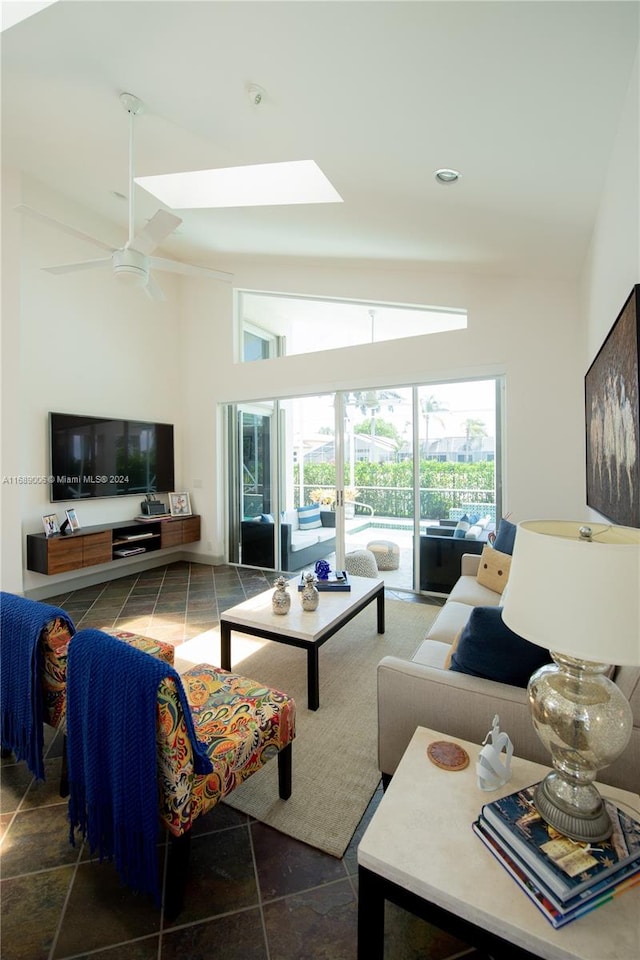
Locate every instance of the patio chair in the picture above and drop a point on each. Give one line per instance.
(153, 747)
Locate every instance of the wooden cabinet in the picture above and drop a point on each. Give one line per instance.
(110, 542)
(177, 531)
(97, 548)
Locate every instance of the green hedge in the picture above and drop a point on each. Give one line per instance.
(388, 487)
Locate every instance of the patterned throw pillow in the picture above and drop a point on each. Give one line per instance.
(461, 528)
(309, 517)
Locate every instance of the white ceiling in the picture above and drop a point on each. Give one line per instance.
(524, 98)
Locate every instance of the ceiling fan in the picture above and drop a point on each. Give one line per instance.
(133, 262)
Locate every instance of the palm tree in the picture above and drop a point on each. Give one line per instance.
(473, 430)
(430, 406)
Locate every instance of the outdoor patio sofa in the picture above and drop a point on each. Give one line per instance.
(423, 692)
(298, 548)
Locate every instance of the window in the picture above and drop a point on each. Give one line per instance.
(276, 325)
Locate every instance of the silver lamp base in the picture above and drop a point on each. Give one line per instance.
(585, 721)
(590, 826)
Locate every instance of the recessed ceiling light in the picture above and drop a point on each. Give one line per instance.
(255, 185)
(446, 175)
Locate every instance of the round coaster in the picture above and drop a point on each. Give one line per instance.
(448, 755)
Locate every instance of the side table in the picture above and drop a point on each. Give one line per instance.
(420, 852)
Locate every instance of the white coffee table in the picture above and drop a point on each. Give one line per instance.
(420, 852)
(301, 628)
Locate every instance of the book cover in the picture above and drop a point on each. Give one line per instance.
(566, 866)
(337, 580)
(536, 893)
(602, 886)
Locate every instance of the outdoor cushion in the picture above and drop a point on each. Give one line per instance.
(309, 517)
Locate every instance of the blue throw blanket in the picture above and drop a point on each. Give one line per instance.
(112, 694)
(21, 623)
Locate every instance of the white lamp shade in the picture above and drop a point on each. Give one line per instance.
(576, 596)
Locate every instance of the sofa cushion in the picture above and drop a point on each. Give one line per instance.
(267, 518)
(489, 649)
(493, 570)
(467, 590)
(431, 653)
(506, 536)
(309, 517)
(449, 621)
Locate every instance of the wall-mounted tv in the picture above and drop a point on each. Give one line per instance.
(101, 457)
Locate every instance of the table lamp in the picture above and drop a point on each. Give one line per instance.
(574, 588)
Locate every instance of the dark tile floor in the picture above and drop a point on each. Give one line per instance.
(253, 893)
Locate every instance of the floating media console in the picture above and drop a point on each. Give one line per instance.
(110, 541)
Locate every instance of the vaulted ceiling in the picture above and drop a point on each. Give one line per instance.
(523, 98)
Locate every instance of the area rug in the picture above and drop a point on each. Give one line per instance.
(335, 771)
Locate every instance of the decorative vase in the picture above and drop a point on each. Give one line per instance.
(281, 599)
(310, 596)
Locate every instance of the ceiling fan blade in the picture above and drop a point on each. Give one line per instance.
(157, 229)
(59, 225)
(189, 269)
(81, 265)
(153, 289)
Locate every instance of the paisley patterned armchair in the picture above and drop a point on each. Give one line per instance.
(243, 725)
(161, 748)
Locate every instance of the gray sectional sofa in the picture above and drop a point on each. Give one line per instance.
(421, 692)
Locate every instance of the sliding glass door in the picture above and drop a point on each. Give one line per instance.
(380, 465)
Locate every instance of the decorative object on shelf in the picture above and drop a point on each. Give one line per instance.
(323, 569)
(50, 524)
(71, 522)
(612, 414)
(494, 760)
(179, 505)
(152, 507)
(309, 595)
(281, 599)
(589, 576)
(448, 755)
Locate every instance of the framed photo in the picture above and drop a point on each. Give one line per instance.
(72, 518)
(179, 505)
(612, 416)
(50, 524)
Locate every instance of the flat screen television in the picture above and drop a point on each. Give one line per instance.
(102, 457)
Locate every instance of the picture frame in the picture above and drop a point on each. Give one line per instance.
(50, 524)
(612, 420)
(179, 505)
(72, 519)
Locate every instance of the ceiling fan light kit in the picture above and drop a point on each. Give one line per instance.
(132, 263)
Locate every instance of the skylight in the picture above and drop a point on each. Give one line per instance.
(254, 185)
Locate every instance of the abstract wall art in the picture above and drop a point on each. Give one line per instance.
(612, 417)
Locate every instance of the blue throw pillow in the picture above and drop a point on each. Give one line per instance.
(487, 648)
(267, 518)
(309, 517)
(462, 526)
(506, 537)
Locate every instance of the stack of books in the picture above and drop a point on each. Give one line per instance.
(564, 878)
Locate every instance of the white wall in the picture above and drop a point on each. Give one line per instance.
(612, 266)
(79, 343)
